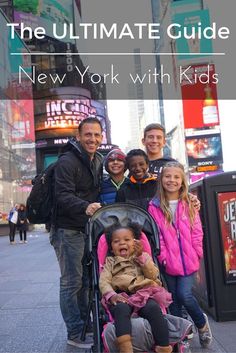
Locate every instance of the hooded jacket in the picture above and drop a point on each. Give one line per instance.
(77, 182)
(181, 243)
(109, 190)
(138, 193)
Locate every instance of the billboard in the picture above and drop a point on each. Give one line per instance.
(200, 82)
(22, 116)
(204, 151)
(227, 223)
(44, 13)
(59, 115)
(196, 44)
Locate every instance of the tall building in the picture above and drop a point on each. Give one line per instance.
(63, 98)
(17, 136)
(141, 111)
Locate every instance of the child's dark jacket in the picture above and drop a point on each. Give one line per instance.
(138, 193)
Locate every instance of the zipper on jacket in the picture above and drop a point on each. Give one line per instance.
(180, 248)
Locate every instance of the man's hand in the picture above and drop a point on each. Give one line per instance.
(195, 202)
(118, 298)
(92, 208)
(138, 248)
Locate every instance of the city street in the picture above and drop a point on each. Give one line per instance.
(30, 318)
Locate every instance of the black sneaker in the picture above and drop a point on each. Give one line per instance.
(77, 342)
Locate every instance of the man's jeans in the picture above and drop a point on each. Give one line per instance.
(69, 248)
(181, 289)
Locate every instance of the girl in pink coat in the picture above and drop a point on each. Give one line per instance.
(181, 244)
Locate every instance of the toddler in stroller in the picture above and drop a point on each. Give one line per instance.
(129, 280)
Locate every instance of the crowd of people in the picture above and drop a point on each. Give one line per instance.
(158, 185)
(17, 220)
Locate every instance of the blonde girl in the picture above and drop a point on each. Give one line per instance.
(181, 244)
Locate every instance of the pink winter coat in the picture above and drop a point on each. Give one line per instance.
(181, 244)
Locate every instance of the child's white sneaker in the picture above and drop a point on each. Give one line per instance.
(205, 334)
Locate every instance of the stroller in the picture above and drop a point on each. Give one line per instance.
(104, 333)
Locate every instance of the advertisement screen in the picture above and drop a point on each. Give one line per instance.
(200, 82)
(204, 149)
(227, 222)
(22, 115)
(61, 117)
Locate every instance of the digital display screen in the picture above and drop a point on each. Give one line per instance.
(204, 148)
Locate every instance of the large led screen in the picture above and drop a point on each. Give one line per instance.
(204, 149)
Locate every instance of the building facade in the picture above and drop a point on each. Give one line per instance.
(17, 136)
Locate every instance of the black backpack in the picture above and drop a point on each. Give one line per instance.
(39, 204)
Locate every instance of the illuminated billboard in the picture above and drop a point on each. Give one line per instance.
(22, 116)
(200, 82)
(59, 115)
(204, 151)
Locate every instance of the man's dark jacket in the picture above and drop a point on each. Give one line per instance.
(77, 183)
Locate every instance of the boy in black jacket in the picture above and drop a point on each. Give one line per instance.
(142, 186)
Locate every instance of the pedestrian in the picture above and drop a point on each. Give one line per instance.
(141, 186)
(77, 181)
(181, 244)
(154, 140)
(12, 220)
(22, 223)
(129, 283)
(115, 165)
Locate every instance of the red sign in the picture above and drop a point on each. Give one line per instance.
(22, 115)
(227, 213)
(199, 95)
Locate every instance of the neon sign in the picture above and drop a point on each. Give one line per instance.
(68, 112)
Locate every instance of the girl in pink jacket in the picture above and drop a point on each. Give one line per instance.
(181, 244)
